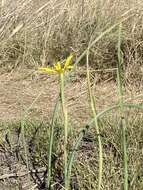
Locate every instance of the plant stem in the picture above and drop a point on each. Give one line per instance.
(121, 103)
(25, 145)
(51, 143)
(93, 107)
(65, 130)
(125, 156)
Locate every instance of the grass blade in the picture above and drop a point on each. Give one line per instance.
(51, 142)
(93, 108)
(121, 110)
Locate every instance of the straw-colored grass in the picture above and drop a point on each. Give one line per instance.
(37, 32)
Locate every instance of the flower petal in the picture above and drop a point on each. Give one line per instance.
(57, 67)
(70, 67)
(47, 70)
(68, 62)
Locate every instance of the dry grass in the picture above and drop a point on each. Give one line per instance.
(37, 32)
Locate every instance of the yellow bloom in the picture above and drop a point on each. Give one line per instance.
(68, 63)
(47, 70)
(58, 68)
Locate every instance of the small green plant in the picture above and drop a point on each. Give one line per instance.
(60, 70)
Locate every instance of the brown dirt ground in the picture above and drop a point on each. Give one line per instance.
(24, 89)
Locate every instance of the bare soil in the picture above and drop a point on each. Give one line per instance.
(33, 95)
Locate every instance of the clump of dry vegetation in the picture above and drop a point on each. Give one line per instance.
(38, 32)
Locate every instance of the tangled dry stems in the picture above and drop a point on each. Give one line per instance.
(34, 33)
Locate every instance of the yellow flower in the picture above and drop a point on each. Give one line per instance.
(67, 64)
(58, 68)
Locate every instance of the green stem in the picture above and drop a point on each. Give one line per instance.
(125, 156)
(93, 107)
(25, 145)
(121, 103)
(51, 143)
(65, 129)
